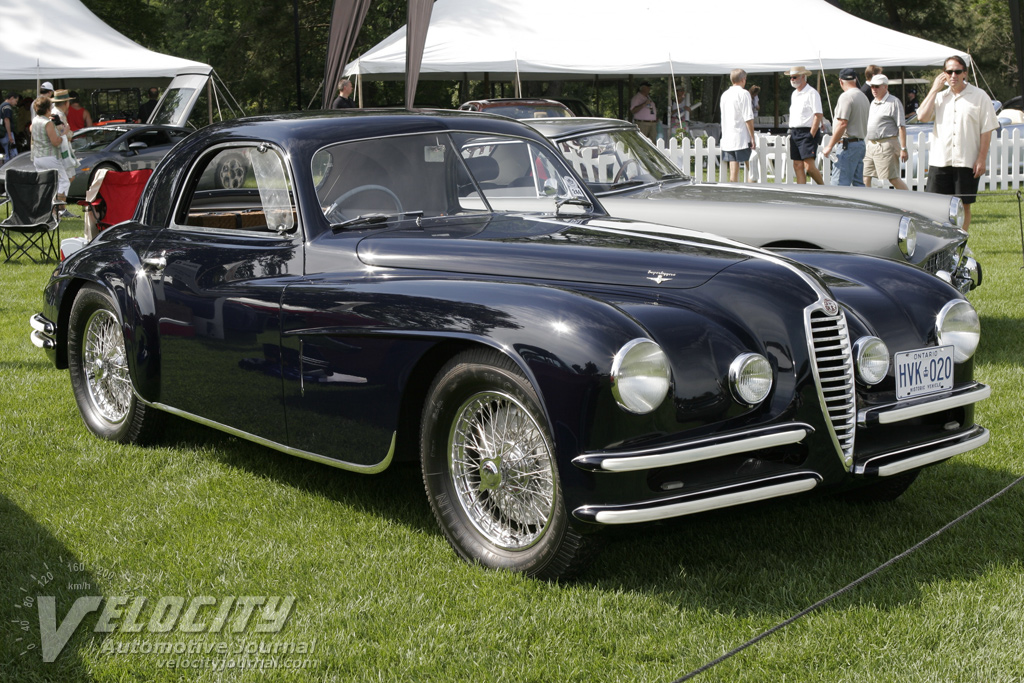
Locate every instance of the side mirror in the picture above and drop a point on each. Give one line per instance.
(137, 147)
(550, 188)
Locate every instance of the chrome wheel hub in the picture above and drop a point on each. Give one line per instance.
(106, 367)
(502, 469)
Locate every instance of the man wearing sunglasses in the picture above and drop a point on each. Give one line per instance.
(805, 132)
(964, 121)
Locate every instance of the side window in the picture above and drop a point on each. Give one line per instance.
(515, 174)
(239, 188)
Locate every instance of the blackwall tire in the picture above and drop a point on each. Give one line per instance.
(98, 362)
(489, 470)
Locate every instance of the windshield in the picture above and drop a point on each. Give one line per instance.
(172, 106)
(432, 175)
(93, 139)
(616, 159)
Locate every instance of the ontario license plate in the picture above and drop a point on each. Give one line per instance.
(924, 371)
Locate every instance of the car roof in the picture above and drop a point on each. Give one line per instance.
(504, 101)
(354, 124)
(568, 127)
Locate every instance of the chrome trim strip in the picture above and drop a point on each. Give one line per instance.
(914, 462)
(701, 450)
(712, 502)
(322, 459)
(895, 412)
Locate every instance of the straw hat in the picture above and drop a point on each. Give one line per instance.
(798, 71)
(61, 96)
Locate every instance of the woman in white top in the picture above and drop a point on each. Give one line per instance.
(46, 146)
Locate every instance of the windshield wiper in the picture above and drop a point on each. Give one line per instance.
(629, 183)
(372, 219)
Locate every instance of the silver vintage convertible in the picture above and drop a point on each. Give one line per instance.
(635, 180)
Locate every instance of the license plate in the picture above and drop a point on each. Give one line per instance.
(924, 371)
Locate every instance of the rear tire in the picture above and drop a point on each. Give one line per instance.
(490, 473)
(100, 379)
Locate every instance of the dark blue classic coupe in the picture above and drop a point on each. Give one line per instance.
(387, 285)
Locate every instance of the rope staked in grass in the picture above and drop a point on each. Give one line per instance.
(824, 601)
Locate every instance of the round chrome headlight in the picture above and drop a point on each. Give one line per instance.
(956, 212)
(907, 236)
(958, 324)
(750, 377)
(872, 358)
(640, 376)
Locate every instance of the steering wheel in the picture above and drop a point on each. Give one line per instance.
(622, 169)
(335, 208)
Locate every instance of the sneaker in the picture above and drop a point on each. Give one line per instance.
(68, 214)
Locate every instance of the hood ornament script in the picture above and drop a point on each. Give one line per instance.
(660, 276)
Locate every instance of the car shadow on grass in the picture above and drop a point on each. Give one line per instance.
(1000, 340)
(780, 557)
(396, 493)
(34, 563)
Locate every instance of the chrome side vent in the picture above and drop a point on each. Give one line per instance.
(833, 373)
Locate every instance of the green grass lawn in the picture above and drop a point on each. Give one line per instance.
(379, 596)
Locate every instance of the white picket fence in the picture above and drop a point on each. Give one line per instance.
(770, 162)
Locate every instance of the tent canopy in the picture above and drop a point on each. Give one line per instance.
(584, 39)
(61, 39)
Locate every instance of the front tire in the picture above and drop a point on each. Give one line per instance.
(100, 380)
(490, 473)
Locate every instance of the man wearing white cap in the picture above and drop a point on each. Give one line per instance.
(805, 133)
(886, 135)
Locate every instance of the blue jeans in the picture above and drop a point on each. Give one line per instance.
(10, 149)
(849, 167)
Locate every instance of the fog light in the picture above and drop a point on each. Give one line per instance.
(750, 377)
(958, 324)
(640, 376)
(872, 358)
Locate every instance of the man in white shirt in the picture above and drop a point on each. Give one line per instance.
(848, 135)
(737, 124)
(644, 111)
(805, 133)
(964, 121)
(886, 134)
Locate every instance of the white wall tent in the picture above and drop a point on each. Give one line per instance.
(581, 39)
(49, 40)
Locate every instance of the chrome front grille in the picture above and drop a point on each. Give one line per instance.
(833, 372)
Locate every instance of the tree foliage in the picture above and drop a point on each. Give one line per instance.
(251, 43)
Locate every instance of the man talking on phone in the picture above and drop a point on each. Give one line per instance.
(964, 120)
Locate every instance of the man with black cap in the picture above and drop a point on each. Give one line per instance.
(644, 112)
(805, 119)
(848, 133)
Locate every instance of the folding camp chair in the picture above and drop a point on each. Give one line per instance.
(34, 220)
(112, 198)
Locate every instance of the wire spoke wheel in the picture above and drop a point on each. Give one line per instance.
(490, 470)
(100, 377)
(501, 467)
(106, 367)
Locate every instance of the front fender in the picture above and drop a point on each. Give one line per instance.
(116, 268)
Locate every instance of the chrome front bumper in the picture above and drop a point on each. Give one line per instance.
(43, 332)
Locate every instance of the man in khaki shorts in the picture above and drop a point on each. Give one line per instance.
(886, 135)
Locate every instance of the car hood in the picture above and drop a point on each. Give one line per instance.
(736, 194)
(594, 251)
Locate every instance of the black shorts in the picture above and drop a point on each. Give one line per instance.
(802, 145)
(955, 180)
